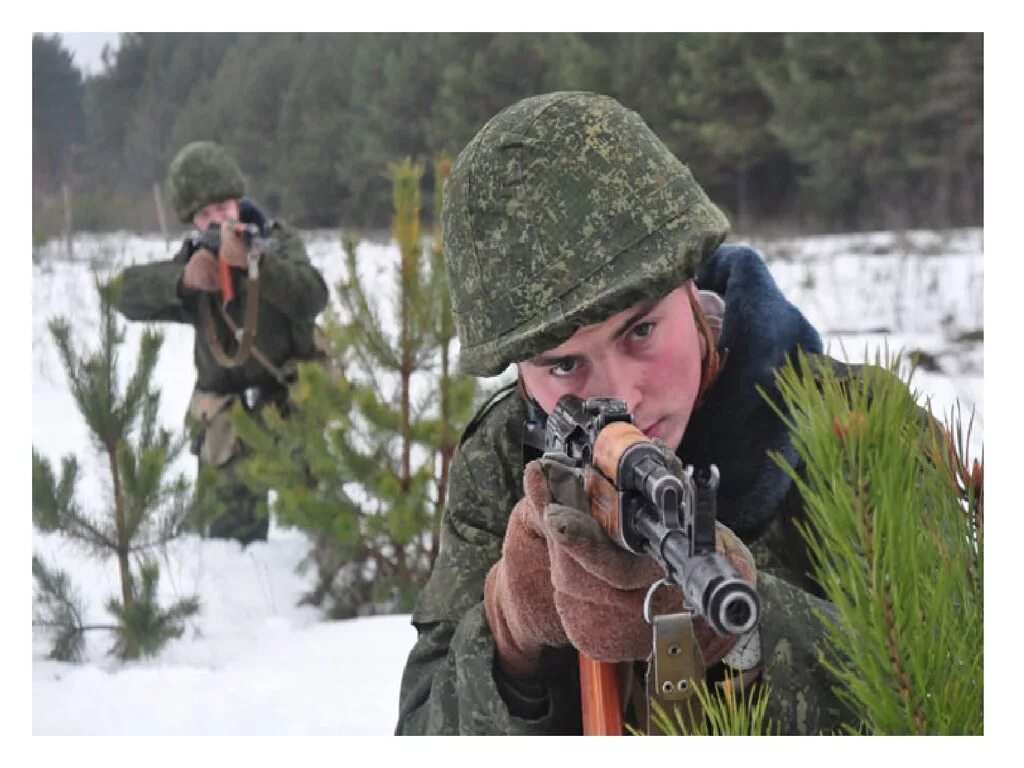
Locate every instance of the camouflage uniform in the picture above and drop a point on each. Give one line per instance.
(451, 682)
(292, 294)
(563, 210)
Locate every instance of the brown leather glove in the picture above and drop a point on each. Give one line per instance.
(562, 580)
(518, 598)
(200, 273)
(232, 249)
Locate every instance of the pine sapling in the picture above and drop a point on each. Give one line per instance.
(146, 507)
(455, 392)
(361, 462)
(895, 531)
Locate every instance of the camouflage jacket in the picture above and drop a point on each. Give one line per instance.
(451, 684)
(292, 294)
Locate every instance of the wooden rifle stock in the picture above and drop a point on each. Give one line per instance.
(599, 694)
(247, 333)
(599, 680)
(227, 288)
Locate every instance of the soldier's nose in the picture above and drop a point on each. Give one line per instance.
(621, 385)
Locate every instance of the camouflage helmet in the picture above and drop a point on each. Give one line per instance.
(563, 210)
(200, 174)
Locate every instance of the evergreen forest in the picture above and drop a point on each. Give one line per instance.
(787, 132)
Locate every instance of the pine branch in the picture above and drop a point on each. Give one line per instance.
(380, 415)
(364, 323)
(889, 539)
(57, 606)
(143, 627)
(60, 332)
(52, 501)
(86, 530)
(146, 509)
(137, 395)
(81, 628)
(726, 712)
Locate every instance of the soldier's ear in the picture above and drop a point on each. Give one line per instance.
(709, 326)
(521, 386)
(699, 319)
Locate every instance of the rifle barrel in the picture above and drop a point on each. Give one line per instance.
(712, 586)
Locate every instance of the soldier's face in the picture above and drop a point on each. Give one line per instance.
(216, 213)
(648, 355)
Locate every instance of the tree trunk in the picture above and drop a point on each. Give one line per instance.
(447, 450)
(121, 522)
(408, 256)
(158, 199)
(742, 193)
(68, 230)
(406, 373)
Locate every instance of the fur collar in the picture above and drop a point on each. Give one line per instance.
(734, 428)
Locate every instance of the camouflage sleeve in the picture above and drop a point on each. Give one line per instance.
(150, 292)
(802, 699)
(450, 685)
(792, 637)
(289, 281)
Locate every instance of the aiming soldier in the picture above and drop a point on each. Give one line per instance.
(244, 282)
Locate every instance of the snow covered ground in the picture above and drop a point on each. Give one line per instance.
(253, 662)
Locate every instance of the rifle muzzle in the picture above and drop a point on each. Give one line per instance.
(711, 584)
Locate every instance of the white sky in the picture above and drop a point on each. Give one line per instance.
(88, 47)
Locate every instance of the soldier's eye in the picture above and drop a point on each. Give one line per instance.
(565, 367)
(643, 330)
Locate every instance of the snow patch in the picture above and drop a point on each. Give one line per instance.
(253, 661)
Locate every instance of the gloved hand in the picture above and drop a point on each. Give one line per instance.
(518, 597)
(201, 272)
(562, 580)
(232, 249)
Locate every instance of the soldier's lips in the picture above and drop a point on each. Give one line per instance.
(655, 429)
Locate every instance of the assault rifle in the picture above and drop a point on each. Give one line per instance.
(255, 244)
(646, 510)
(210, 239)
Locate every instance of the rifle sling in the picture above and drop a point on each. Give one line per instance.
(246, 336)
(260, 358)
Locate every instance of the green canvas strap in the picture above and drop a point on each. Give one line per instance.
(247, 334)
